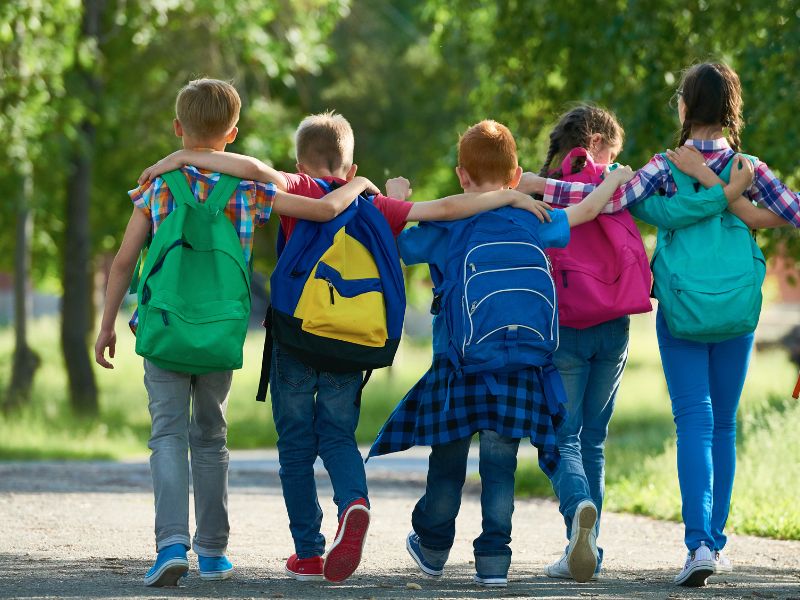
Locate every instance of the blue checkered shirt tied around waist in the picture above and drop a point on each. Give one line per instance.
(443, 407)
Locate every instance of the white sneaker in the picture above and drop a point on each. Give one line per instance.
(560, 569)
(722, 564)
(493, 581)
(699, 566)
(581, 555)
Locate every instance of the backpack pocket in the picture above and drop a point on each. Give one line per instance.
(714, 307)
(204, 336)
(508, 298)
(350, 310)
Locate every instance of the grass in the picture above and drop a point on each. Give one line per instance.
(640, 469)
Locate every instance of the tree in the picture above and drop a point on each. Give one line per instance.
(35, 37)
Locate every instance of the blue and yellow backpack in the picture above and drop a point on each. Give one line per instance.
(338, 297)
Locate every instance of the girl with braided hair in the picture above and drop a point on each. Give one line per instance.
(704, 378)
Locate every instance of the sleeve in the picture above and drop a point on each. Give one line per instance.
(555, 234)
(646, 182)
(264, 197)
(422, 243)
(301, 184)
(770, 191)
(395, 211)
(143, 195)
(680, 210)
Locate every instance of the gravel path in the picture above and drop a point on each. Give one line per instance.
(83, 530)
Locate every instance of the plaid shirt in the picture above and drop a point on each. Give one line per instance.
(442, 408)
(655, 178)
(248, 208)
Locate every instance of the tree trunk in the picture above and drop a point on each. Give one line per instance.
(26, 361)
(76, 310)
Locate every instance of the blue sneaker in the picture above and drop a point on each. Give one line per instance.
(171, 564)
(215, 568)
(415, 550)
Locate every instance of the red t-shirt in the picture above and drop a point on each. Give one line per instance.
(394, 211)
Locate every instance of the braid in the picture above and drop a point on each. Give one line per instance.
(733, 133)
(551, 152)
(686, 131)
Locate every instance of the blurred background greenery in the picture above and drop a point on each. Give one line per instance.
(86, 102)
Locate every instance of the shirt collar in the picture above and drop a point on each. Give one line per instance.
(708, 145)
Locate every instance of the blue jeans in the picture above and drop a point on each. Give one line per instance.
(434, 516)
(591, 362)
(705, 382)
(315, 414)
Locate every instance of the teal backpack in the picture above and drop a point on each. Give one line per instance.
(194, 288)
(708, 276)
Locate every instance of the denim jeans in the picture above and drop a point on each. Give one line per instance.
(434, 516)
(188, 414)
(315, 414)
(705, 382)
(591, 362)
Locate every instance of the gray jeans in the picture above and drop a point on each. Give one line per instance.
(188, 413)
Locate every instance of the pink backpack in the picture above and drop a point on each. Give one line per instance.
(603, 273)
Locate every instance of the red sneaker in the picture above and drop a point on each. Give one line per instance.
(345, 552)
(304, 569)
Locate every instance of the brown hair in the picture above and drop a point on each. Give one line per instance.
(575, 129)
(712, 94)
(325, 141)
(208, 108)
(488, 152)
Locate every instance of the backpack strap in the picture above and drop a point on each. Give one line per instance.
(682, 180)
(266, 358)
(222, 192)
(177, 184)
(577, 152)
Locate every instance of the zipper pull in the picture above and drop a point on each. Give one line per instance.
(472, 267)
(330, 289)
(564, 278)
(164, 317)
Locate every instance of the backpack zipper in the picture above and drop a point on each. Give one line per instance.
(330, 289)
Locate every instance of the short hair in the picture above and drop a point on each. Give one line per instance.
(488, 152)
(208, 108)
(325, 141)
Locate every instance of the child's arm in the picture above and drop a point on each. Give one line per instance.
(461, 206)
(119, 278)
(238, 165)
(591, 206)
(325, 208)
(691, 161)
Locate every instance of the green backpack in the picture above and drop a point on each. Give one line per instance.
(708, 276)
(194, 288)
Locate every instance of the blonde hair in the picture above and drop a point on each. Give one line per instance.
(208, 108)
(325, 141)
(488, 152)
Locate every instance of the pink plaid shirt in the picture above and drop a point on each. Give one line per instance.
(655, 177)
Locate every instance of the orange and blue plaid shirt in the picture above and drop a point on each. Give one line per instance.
(248, 208)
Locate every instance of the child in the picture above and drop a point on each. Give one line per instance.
(315, 411)
(444, 409)
(188, 412)
(704, 378)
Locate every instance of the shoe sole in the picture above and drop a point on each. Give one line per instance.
(425, 570)
(216, 575)
(582, 558)
(344, 555)
(169, 573)
(491, 582)
(299, 577)
(697, 575)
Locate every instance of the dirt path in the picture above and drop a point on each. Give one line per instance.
(83, 530)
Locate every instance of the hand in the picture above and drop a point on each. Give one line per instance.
(531, 183)
(689, 160)
(105, 339)
(166, 164)
(622, 174)
(398, 187)
(537, 207)
(366, 185)
(741, 175)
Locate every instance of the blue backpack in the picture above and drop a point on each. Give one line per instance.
(497, 294)
(338, 296)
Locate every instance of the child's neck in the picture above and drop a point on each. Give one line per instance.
(326, 174)
(707, 132)
(484, 187)
(203, 145)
